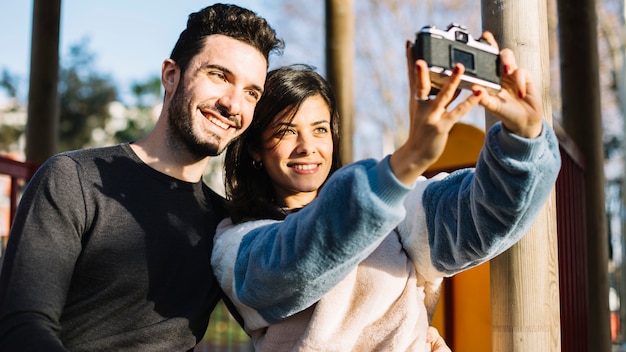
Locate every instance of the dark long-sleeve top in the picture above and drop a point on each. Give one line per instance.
(107, 254)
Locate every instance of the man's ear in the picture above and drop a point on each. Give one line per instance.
(170, 75)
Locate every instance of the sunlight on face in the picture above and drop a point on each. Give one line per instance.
(215, 101)
(298, 154)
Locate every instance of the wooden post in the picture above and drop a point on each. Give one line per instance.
(339, 64)
(525, 313)
(42, 122)
(582, 121)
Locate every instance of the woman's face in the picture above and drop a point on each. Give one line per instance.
(298, 155)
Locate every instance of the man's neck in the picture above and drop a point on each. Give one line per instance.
(176, 164)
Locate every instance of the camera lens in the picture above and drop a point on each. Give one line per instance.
(461, 37)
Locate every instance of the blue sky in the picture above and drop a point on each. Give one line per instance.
(130, 38)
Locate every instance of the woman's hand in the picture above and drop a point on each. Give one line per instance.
(430, 119)
(518, 105)
(435, 342)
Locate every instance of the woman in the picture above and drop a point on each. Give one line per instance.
(340, 267)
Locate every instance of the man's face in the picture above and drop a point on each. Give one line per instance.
(215, 100)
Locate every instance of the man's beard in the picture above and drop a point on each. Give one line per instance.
(180, 120)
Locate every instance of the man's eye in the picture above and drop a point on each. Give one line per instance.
(219, 75)
(254, 95)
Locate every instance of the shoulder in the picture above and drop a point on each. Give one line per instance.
(82, 157)
(91, 153)
(228, 237)
(227, 231)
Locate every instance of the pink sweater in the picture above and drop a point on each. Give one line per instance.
(373, 309)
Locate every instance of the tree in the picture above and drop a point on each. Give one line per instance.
(10, 132)
(85, 95)
(140, 119)
(9, 82)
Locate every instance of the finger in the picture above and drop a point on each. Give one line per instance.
(449, 89)
(489, 38)
(518, 82)
(507, 62)
(489, 102)
(530, 88)
(466, 105)
(422, 89)
(456, 95)
(521, 80)
(410, 63)
(435, 342)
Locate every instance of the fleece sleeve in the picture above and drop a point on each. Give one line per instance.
(279, 268)
(463, 219)
(43, 245)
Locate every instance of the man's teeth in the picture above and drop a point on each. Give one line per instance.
(219, 123)
(305, 167)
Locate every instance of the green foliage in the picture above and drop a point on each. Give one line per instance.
(137, 126)
(223, 330)
(9, 83)
(84, 97)
(146, 93)
(8, 136)
(140, 118)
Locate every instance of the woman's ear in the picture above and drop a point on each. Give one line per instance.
(256, 156)
(170, 75)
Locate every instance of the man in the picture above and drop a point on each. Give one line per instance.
(110, 247)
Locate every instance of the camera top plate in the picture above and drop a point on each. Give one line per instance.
(443, 49)
(458, 33)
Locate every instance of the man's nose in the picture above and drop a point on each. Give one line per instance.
(230, 102)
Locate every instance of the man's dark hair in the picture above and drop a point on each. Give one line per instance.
(229, 20)
(249, 188)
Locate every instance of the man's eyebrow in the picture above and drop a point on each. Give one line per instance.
(219, 67)
(229, 72)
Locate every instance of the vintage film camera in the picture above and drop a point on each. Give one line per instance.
(443, 49)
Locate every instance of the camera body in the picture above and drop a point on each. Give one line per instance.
(443, 49)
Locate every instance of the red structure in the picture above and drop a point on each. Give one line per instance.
(20, 173)
(572, 246)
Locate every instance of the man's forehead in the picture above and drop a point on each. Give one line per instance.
(237, 57)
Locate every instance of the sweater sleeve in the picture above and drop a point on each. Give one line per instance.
(43, 245)
(279, 268)
(466, 218)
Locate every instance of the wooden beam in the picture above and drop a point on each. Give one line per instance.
(525, 313)
(339, 67)
(42, 122)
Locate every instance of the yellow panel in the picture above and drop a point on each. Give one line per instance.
(439, 316)
(472, 310)
(470, 307)
(463, 147)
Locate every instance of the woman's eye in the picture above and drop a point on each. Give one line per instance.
(285, 132)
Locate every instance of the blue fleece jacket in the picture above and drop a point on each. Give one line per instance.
(446, 224)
